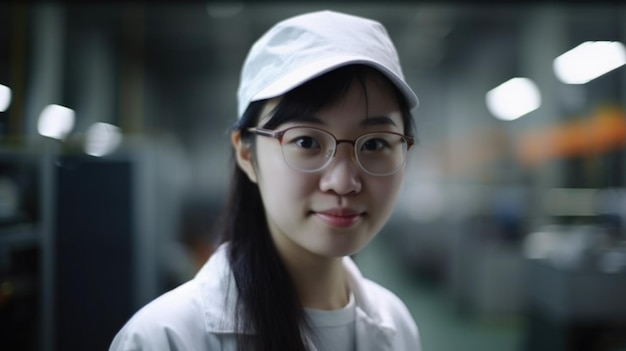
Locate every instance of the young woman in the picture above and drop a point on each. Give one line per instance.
(320, 146)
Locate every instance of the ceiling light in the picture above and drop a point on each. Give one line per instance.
(5, 97)
(513, 99)
(102, 139)
(55, 121)
(589, 61)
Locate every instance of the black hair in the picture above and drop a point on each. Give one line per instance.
(267, 302)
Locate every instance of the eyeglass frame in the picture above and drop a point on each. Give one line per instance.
(278, 134)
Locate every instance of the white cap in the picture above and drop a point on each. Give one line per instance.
(301, 48)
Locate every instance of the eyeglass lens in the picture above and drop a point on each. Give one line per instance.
(309, 150)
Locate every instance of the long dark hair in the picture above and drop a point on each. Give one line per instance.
(269, 315)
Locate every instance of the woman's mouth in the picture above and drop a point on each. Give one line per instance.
(340, 218)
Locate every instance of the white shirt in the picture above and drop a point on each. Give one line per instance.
(199, 315)
(334, 330)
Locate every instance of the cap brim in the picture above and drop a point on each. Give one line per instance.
(305, 73)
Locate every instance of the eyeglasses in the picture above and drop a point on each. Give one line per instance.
(308, 149)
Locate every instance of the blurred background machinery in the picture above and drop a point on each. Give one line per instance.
(509, 232)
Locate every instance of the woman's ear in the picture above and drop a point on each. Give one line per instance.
(243, 153)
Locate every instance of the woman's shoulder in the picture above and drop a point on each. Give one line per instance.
(182, 305)
(173, 321)
(183, 318)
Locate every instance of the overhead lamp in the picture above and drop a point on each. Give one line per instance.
(55, 121)
(5, 97)
(102, 139)
(589, 61)
(513, 99)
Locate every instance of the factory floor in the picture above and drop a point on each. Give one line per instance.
(441, 326)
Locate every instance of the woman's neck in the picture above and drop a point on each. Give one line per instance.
(320, 281)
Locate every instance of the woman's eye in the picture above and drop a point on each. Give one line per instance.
(306, 142)
(375, 145)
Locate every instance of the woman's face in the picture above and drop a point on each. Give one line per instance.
(333, 212)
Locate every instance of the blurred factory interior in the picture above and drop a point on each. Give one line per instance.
(509, 234)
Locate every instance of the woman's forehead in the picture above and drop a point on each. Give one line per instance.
(372, 98)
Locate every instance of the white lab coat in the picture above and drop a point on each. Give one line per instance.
(198, 315)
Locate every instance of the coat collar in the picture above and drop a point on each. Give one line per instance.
(219, 297)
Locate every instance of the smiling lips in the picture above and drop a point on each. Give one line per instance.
(340, 217)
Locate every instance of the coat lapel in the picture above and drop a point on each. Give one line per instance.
(370, 335)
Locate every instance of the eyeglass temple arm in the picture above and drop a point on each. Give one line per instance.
(265, 132)
(410, 141)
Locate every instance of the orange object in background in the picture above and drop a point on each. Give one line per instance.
(605, 130)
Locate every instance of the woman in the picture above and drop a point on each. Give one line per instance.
(320, 145)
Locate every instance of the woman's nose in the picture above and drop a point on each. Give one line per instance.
(342, 175)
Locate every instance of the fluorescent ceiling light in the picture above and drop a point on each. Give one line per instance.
(589, 61)
(513, 99)
(5, 97)
(102, 139)
(55, 121)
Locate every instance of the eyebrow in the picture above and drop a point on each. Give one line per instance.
(307, 119)
(377, 121)
(368, 121)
